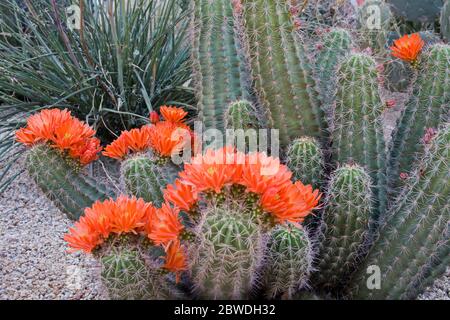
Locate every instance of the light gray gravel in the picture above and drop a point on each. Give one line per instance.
(34, 263)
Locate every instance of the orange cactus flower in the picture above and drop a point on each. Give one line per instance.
(290, 203)
(175, 259)
(181, 194)
(63, 132)
(138, 139)
(128, 215)
(118, 149)
(262, 172)
(408, 47)
(213, 170)
(167, 138)
(123, 215)
(165, 226)
(81, 237)
(173, 114)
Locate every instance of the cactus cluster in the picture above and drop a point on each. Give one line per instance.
(232, 221)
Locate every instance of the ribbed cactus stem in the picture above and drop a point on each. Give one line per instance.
(227, 255)
(219, 70)
(241, 115)
(445, 21)
(426, 109)
(146, 176)
(62, 182)
(306, 161)
(343, 234)
(130, 274)
(282, 71)
(414, 241)
(288, 261)
(335, 45)
(358, 135)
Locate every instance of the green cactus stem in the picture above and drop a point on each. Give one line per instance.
(61, 180)
(146, 176)
(288, 261)
(130, 273)
(335, 45)
(282, 71)
(241, 115)
(226, 255)
(445, 21)
(219, 70)
(414, 242)
(426, 109)
(306, 161)
(344, 231)
(358, 135)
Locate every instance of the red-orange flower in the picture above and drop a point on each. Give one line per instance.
(181, 194)
(290, 203)
(81, 237)
(173, 114)
(262, 172)
(154, 117)
(175, 259)
(408, 47)
(167, 138)
(62, 131)
(213, 170)
(128, 214)
(165, 225)
(118, 149)
(123, 215)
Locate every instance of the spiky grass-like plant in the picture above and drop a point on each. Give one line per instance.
(124, 59)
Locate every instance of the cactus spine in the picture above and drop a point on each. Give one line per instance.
(306, 161)
(127, 273)
(59, 178)
(227, 255)
(445, 21)
(336, 45)
(219, 70)
(288, 260)
(281, 70)
(241, 115)
(358, 131)
(427, 108)
(146, 176)
(343, 233)
(414, 242)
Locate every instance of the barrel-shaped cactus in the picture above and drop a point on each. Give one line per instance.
(289, 261)
(128, 275)
(219, 70)
(241, 115)
(358, 135)
(445, 21)
(62, 181)
(426, 109)
(335, 45)
(226, 255)
(306, 161)
(281, 70)
(344, 231)
(145, 176)
(414, 244)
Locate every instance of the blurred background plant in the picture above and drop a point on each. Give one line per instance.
(123, 59)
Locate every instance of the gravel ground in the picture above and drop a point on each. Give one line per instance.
(34, 263)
